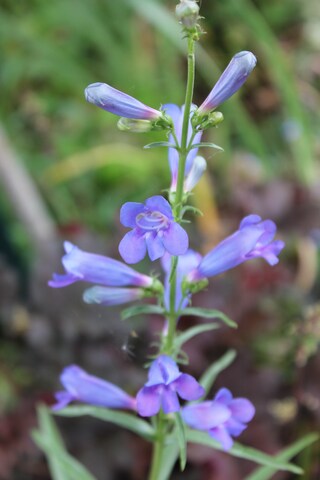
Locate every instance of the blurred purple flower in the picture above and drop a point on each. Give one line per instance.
(253, 239)
(223, 417)
(82, 387)
(89, 267)
(231, 80)
(165, 383)
(119, 103)
(112, 296)
(176, 113)
(186, 263)
(153, 230)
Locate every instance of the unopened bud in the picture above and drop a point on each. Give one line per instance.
(133, 125)
(211, 119)
(187, 12)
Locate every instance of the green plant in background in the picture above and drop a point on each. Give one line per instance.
(157, 229)
(51, 51)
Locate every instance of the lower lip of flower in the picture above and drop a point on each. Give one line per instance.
(152, 221)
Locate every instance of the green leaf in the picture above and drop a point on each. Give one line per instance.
(241, 451)
(265, 473)
(141, 310)
(209, 313)
(61, 464)
(126, 420)
(181, 436)
(160, 144)
(192, 332)
(210, 375)
(206, 144)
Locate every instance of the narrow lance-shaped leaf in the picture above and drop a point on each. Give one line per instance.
(181, 436)
(141, 310)
(210, 375)
(169, 457)
(209, 313)
(136, 425)
(208, 145)
(241, 451)
(192, 332)
(266, 473)
(62, 465)
(160, 144)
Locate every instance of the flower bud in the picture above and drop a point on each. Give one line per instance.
(187, 12)
(133, 125)
(212, 119)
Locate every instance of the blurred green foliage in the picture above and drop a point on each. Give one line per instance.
(50, 51)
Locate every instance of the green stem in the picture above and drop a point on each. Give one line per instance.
(185, 125)
(168, 345)
(158, 449)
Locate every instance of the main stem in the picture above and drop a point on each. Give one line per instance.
(178, 202)
(168, 346)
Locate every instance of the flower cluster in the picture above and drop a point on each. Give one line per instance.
(223, 418)
(155, 231)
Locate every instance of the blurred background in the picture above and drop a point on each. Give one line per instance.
(65, 170)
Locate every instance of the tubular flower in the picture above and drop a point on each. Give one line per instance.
(224, 417)
(82, 387)
(231, 80)
(119, 103)
(253, 239)
(176, 113)
(165, 383)
(89, 267)
(186, 263)
(198, 168)
(153, 230)
(112, 296)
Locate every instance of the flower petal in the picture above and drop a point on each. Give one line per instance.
(154, 246)
(220, 434)
(224, 396)
(63, 280)
(205, 415)
(169, 401)
(163, 370)
(132, 247)
(242, 409)
(160, 204)
(175, 239)
(188, 388)
(148, 401)
(62, 400)
(129, 212)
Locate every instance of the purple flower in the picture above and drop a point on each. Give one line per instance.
(153, 230)
(165, 383)
(224, 417)
(253, 239)
(112, 296)
(176, 113)
(82, 387)
(186, 263)
(230, 81)
(119, 103)
(88, 267)
(198, 168)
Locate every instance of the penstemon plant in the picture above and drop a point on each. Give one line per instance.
(155, 229)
